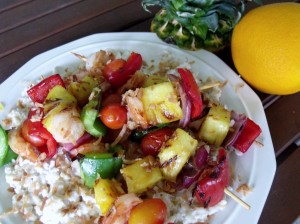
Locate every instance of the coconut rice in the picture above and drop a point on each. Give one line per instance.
(52, 191)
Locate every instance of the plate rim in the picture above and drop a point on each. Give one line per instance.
(258, 113)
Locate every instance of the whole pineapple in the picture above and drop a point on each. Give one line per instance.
(196, 24)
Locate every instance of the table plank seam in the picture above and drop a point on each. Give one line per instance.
(16, 25)
(292, 141)
(282, 157)
(66, 27)
(269, 100)
(14, 6)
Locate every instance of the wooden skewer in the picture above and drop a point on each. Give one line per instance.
(9, 212)
(208, 86)
(237, 199)
(81, 57)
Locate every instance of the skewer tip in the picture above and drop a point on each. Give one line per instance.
(81, 57)
(237, 199)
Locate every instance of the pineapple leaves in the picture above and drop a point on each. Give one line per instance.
(258, 2)
(195, 24)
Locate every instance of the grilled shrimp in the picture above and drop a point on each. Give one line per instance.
(135, 114)
(18, 144)
(96, 146)
(66, 126)
(121, 210)
(96, 62)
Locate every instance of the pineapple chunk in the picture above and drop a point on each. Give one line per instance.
(154, 79)
(141, 175)
(161, 104)
(58, 99)
(215, 126)
(106, 192)
(82, 89)
(60, 93)
(176, 153)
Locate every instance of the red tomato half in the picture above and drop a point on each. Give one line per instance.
(117, 73)
(113, 66)
(111, 98)
(153, 141)
(150, 211)
(35, 140)
(113, 116)
(38, 136)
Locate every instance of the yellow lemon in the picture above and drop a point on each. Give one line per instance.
(266, 48)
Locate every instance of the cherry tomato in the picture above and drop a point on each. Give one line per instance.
(114, 66)
(35, 140)
(210, 186)
(150, 211)
(37, 135)
(153, 141)
(111, 98)
(113, 116)
(118, 75)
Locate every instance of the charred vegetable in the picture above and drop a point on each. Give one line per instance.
(215, 126)
(158, 109)
(176, 153)
(106, 192)
(142, 175)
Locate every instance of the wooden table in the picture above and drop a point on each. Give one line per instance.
(29, 27)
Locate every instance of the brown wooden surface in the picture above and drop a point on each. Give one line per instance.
(28, 28)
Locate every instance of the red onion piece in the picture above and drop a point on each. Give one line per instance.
(173, 78)
(233, 134)
(192, 170)
(200, 157)
(185, 105)
(83, 139)
(187, 177)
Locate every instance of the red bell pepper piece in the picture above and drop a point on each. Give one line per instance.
(212, 182)
(122, 73)
(247, 136)
(39, 92)
(192, 90)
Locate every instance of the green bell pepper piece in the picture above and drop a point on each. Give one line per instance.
(4, 147)
(92, 123)
(114, 149)
(10, 156)
(101, 164)
(89, 116)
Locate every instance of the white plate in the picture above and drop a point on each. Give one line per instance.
(256, 167)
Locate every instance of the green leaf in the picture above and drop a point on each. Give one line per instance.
(258, 2)
(196, 24)
(211, 21)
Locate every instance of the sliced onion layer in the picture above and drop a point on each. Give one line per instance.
(234, 132)
(83, 139)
